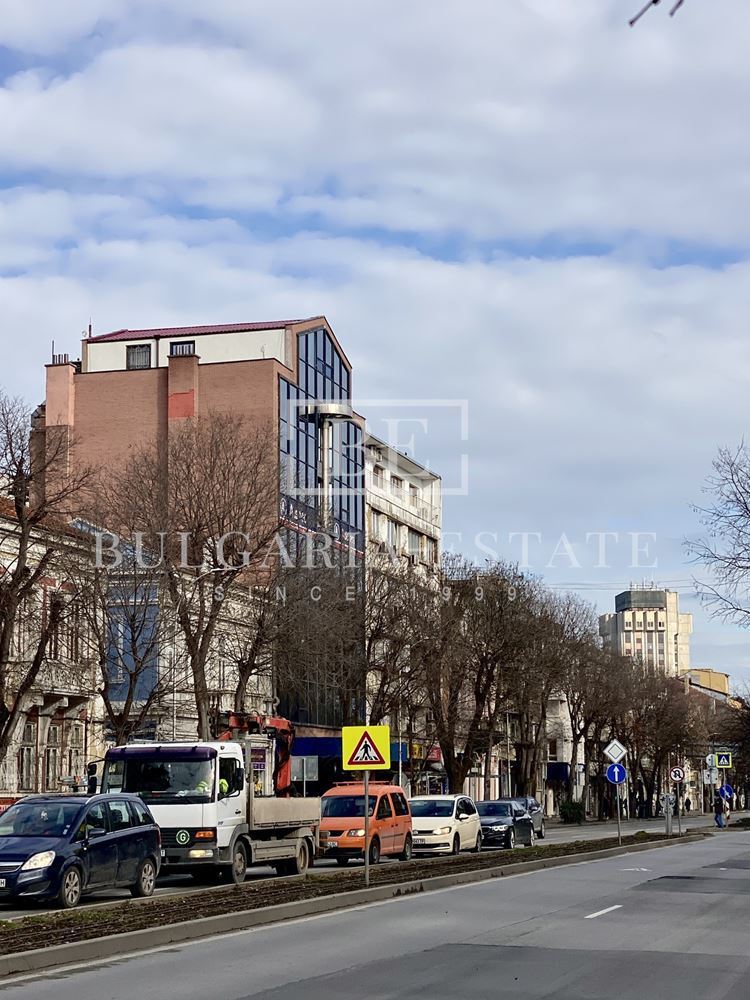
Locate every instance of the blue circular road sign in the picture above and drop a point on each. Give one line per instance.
(616, 774)
(726, 792)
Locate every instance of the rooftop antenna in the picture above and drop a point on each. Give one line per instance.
(90, 328)
(53, 352)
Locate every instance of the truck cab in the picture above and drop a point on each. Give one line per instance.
(216, 819)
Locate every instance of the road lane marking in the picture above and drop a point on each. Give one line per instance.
(600, 913)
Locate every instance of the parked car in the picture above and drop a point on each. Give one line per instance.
(62, 846)
(445, 824)
(534, 809)
(505, 823)
(342, 828)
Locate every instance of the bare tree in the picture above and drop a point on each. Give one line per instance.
(465, 634)
(206, 505)
(319, 660)
(34, 606)
(725, 548)
(128, 630)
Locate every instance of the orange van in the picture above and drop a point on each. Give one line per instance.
(342, 825)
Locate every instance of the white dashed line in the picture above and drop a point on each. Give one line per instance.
(600, 913)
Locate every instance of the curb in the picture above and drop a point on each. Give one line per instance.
(120, 945)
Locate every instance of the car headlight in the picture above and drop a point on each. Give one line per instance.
(499, 829)
(442, 831)
(37, 861)
(356, 833)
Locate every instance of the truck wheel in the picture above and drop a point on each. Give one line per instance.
(144, 884)
(408, 851)
(301, 862)
(297, 865)
(238, 870)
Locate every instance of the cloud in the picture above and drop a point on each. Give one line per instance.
(526, 205)
(490, 122)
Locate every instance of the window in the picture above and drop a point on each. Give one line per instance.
(430, 551)
(52, 759)
(119, 816)
(96, 819)
(414, 543)
(378, 478)
(181, 348)
(413, 496)
(228, 771)
(400, 805)
(467, 806)
(141, 815)
(552, 750)
(139, 356)
(392, 533)
(26, 756)
(397, 485)
(384, 808)
(377, 525)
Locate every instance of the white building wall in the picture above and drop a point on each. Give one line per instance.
(211, 348)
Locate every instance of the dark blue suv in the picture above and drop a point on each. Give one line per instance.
(61, 846)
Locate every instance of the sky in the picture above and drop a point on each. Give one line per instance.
(524, 220)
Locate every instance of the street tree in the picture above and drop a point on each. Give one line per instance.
(205, 509)
(40, 496)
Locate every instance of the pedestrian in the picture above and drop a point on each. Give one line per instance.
(688, 804)
(719, 811)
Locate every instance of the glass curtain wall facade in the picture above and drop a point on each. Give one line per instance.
(322, 375)
(317, 678)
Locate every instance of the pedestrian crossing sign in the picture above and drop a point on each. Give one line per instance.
(366, 748)
(723, 760)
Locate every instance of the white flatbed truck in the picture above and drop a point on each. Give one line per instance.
(214, 822)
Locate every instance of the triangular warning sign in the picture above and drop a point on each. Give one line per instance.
(366, 752)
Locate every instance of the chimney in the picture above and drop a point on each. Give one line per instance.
(184, 379)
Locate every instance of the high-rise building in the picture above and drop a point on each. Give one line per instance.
(288, 378)
(649, 625)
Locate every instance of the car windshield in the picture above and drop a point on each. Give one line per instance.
(346, 805)
(161, 780)
(39, 819)
(494, 809)
(432, 807)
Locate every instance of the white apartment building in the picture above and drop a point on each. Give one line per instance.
(403, 505)
(648, 624)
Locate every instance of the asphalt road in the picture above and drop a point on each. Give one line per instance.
(667, 924)
(173, 885)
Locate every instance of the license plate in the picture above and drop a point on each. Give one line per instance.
(419, 841)
(333, 843)
(2, 883)
(164, 854)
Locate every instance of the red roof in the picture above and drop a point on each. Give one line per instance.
(158, 333)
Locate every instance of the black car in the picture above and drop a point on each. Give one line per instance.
(505, 823)
(534, 809)
(61, 846)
